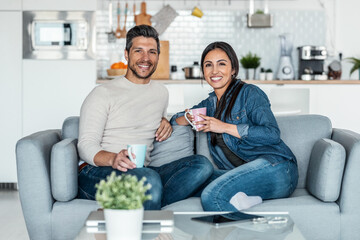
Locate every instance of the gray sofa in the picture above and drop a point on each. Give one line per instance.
(324, 205)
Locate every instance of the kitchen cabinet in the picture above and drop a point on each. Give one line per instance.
(10, 91)
(53, 91)
(56, 5)
(10, 5)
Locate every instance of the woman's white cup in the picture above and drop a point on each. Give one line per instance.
(195, 112)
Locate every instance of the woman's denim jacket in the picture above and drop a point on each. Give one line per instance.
(256, 124)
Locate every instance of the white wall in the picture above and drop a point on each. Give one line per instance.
(347, 32)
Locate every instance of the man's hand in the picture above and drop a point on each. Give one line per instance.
(122, 162)
(164, 131)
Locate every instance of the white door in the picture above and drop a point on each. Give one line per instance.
(10, 91)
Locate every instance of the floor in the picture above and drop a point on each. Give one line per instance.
(12, 224)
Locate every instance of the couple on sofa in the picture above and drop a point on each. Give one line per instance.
(243, 135)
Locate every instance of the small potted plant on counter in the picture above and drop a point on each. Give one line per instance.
(356, 65)
(262, 74)
(269, 74)
(250, 62)
(122, 198)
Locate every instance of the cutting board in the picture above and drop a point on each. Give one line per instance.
(163, 67)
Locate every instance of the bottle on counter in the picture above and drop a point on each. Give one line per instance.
(173, 72)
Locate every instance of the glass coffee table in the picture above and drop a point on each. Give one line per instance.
(186, 228)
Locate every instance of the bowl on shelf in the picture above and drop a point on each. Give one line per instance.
(116, 72)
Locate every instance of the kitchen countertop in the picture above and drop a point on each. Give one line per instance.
(278, 82)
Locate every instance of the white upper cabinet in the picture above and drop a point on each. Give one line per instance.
(10, 5)
(56, 5)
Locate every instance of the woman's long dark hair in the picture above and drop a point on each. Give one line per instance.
(231, 92)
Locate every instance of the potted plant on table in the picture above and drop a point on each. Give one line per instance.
(356, 65)
(250, 62)
(122, 198)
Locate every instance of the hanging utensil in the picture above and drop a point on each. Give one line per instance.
(123, 31)
(134, 12)
(111, 34)
(143, 17)
(164, 18)
(118, 30)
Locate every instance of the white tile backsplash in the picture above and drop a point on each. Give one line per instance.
(189, 35)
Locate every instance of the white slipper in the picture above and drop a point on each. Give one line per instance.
(242, 201)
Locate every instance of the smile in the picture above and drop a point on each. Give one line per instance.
(215, 78)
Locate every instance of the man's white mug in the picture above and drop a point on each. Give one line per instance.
(195, 112)
(139, 150)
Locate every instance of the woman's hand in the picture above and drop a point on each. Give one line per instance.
(211, 124)
(215, 125)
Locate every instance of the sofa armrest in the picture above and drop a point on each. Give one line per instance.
(350, 195)
(33, 170)
(64, 170)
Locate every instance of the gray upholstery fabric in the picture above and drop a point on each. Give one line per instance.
(316, 220)
(74, 212)
(325, 170)
(47, 218)
(64, 169)
(300, 133)
(70, 128)
(180, 144)
(33, 171)
(350, 195)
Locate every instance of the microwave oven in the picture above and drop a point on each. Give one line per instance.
(58, 35)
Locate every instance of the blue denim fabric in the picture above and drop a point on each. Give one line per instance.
(171, 182)
(256, 124)
(91, 175)
(182, 178)
(256, 178)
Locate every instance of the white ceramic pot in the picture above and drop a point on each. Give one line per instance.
(262, 76)
(250, 73)
(269, 76)
(123, 224)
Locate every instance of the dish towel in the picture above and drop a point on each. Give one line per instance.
(242, 201)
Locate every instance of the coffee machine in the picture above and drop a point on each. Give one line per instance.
(311, 62)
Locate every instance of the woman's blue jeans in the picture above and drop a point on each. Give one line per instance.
(256, 178)
(171, 182)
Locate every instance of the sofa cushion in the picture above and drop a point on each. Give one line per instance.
(300, 132)
(70, 128)
(64, 170)
(180, 144)
(325, 170)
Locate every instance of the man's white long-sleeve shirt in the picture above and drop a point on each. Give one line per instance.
(119, 113)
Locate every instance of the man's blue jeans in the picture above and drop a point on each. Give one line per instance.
(256, 178)
(171, 182)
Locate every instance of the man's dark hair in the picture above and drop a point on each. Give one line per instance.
(141, 31)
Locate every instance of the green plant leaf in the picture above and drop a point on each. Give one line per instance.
(122, 192)
(356, 63)
(250, 61)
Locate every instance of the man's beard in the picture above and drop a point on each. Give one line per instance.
(137, 75)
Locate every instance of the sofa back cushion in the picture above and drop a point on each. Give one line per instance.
(326, 169)
(300, 132)
(70, 128)
(180, 144)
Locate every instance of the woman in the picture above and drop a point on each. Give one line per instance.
(243, 136)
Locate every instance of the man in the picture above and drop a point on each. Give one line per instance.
(131, 110)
